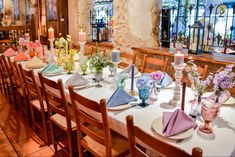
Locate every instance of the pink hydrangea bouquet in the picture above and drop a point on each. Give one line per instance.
(157, 76)
(22, 42)
(144, 81)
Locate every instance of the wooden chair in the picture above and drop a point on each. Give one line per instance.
(126, 59)
(159, 146)
(19, 87)
(11, 88)
(59, 118)
(37, 105)
(162, 64)
(2, 80)
(98, 139)
(4, 77)
(4, 45)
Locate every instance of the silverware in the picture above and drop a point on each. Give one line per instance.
(131, 106)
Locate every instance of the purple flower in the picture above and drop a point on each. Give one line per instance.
(144, 81)
(157, 76)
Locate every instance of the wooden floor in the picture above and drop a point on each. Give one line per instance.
(16, 136)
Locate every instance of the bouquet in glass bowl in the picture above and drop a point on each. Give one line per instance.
(224, 79)
(144, 81)
(99, 62)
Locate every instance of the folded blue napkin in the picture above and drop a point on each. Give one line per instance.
(120, 97)
(166, 81)
(52, 69)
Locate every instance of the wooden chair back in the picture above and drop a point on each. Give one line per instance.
(159, 146)
(125, 58)
(150, 61)
(31, 85)
(82, 107)
(54, 96)
(15, 73)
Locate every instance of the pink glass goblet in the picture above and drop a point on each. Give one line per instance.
(209, 113)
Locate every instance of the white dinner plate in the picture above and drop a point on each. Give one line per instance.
(122, 107)
(136, 75)
(83, 86)
(53, 74)
(230, 101)
(158, 127)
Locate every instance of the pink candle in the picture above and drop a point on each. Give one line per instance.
(51, 34)
(179, 58)
(82, 36)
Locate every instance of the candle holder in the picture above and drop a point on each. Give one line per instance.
(115, 67)
(51, 44)
(82, 44)
(178, 76)
(133, 92)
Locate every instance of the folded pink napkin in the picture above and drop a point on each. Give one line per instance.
(21, 57)
(9, 52)
(176, 122)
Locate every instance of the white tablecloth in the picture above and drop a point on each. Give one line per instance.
(220, 143)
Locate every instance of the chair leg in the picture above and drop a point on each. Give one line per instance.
(32, 116)
(46, 131)
(53, 136)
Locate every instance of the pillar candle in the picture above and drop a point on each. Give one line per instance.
(115, 56)
(179, 58)
(132, 76)
(82, 36)
(51, 34)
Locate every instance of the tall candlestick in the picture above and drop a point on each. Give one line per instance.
(51, 34)
(183, 95)
(132, 76)
(179, 58)
(82, 36)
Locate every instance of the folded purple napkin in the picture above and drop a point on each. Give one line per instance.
(176, 122)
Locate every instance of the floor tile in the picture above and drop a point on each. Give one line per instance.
(46, 152)
(31, 145)
(8, 151)
(13, 123)
(20, 134)
(3, 140)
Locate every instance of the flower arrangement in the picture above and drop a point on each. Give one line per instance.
(224, 79)
(157, 76)
(22, 42)
(196, 79)
(144, 81)
(98, 62)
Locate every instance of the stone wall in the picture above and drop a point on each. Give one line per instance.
(135, 22)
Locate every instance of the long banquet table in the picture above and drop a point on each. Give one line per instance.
(220, 143)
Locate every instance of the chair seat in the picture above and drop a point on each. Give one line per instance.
(119, 145)
(61, 122)
(37, 105)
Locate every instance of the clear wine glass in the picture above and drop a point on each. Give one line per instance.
(111, 69)
(98, 78)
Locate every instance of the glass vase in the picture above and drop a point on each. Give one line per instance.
(153, 93)
(98, 78)
(144, 94)
(121, 84)
(209, 112)
(196, 106)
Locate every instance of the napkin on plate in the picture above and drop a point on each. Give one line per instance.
(9, 52)
(21, 57)
(76, 80)
(52, 69)
(222, 99)
(128, 70)
(176, 122)
(120, 97)
(166, 81)
(35, 62)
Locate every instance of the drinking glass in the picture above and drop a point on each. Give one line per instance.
(111, 69)
(144, 94)
(209, 113)
(98, 78)
(83, 68)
